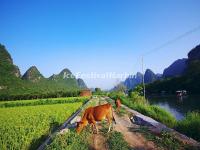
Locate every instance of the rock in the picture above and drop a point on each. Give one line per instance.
(63, 131)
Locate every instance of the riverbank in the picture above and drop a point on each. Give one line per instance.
(189, 126)
(175, 105)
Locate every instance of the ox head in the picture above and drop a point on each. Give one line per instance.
(80, 126)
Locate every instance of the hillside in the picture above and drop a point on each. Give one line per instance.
(33, 83)
(149, 76)
(9, 73)
(177, 68)
(33, 75)
(81, 83)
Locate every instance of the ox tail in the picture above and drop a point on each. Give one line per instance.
(113, 115)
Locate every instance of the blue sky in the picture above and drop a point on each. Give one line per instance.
(97, 36)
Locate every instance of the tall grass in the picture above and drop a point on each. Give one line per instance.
(157, 113)
(190, 125)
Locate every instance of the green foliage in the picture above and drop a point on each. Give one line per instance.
(116, 95)
(165, 140)
(26, 127)
(6, 64)
(71, 141)
(139, 89)
(43, 101)
(190, 125)
(98, 91)
(22, 94)
(163, 116)
(117, 142)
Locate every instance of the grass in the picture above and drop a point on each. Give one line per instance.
(26, 127)
(71, 141)
(116, 141)
(190, 125)
(157, 113)
(48, 101)
(165, 140)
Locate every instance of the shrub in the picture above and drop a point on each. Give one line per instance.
(190, 125)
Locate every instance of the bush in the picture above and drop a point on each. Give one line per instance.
(190, 125)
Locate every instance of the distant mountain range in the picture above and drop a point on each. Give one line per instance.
(11, 81)
(135, 80)
(176, 69)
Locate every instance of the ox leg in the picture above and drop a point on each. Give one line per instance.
(109, 122)
(95, 126)
(109, 127)
(92, 126)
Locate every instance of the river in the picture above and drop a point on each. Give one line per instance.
(178, 107)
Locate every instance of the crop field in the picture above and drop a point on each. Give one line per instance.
(42, 101)
(26, 126)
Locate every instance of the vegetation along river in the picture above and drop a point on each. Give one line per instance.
(177, 106)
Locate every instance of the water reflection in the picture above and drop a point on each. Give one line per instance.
(178, 106)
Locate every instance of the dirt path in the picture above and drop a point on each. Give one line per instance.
(99, 142)
(136, 140)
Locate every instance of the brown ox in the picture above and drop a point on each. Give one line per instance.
(97, 113)
(118, 104)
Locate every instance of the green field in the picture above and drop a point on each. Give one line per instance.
(42, 101)
(25, 127)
